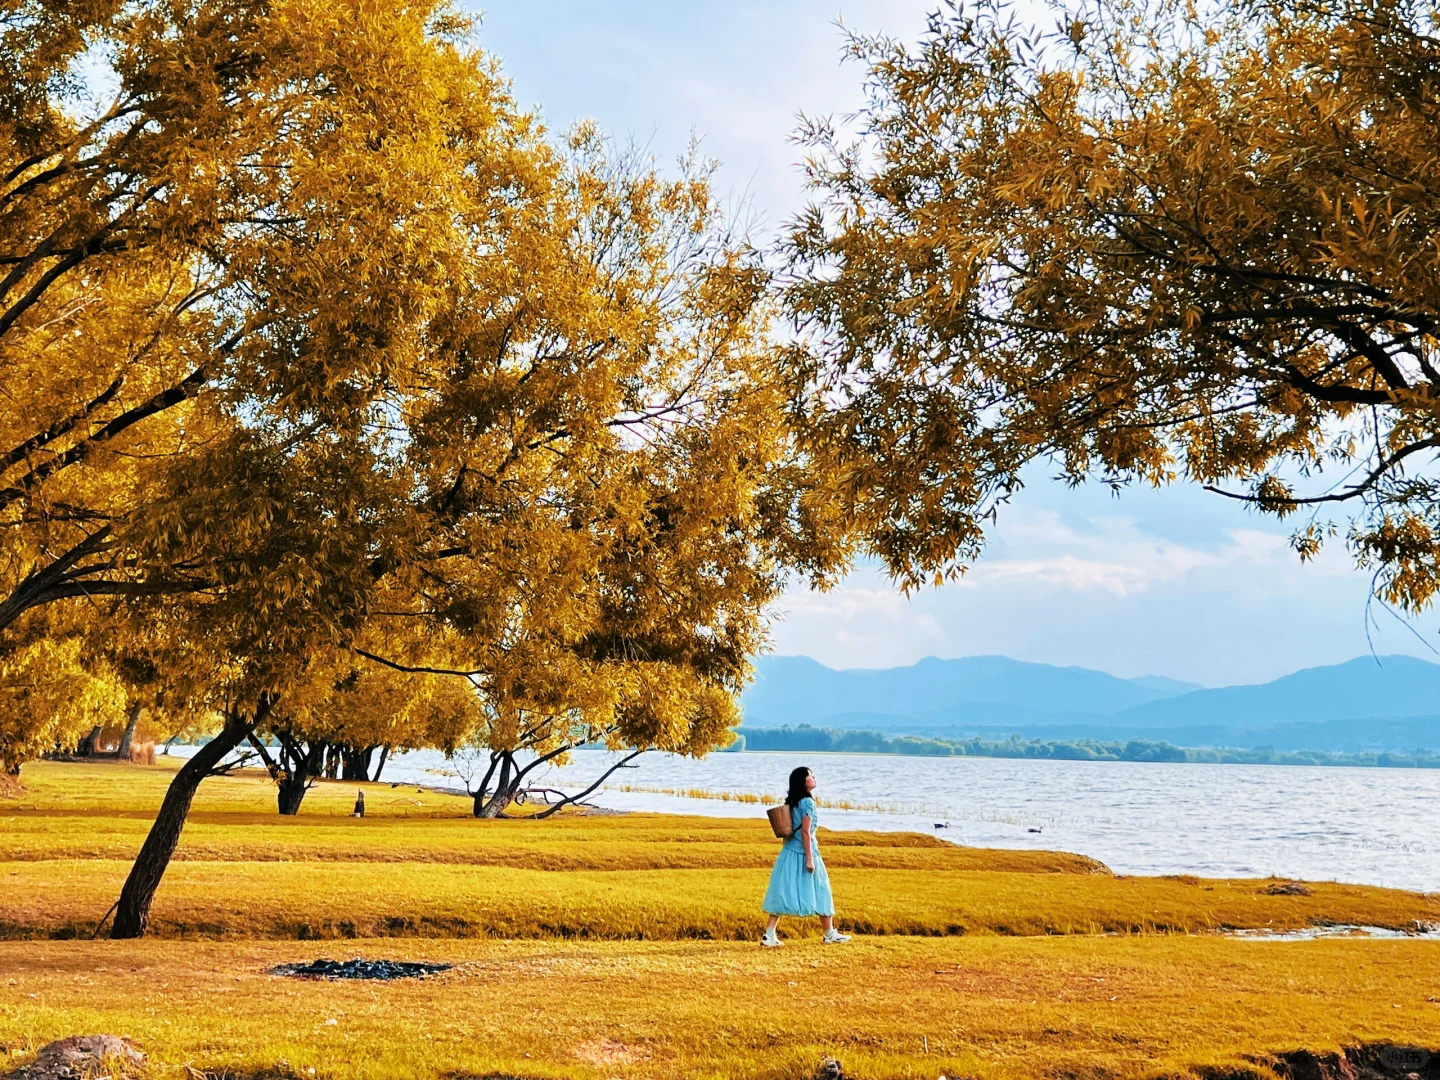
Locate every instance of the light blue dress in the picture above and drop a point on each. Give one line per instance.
(793, 889)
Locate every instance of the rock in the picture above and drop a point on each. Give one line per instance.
(1286, 888)
(78, 1056)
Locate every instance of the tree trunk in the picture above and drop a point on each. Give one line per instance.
(290, 792)
(90, 744)
(298, 765)
(355, 764)
(126, 740)
(132, 913)
(384, 753)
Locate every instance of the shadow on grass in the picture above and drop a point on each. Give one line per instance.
(291, 1074)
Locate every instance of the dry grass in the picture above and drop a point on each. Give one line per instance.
(415, 868)
(1058, 1001)
(992, 1008)
(64, 898)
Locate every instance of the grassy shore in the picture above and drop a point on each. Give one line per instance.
(620, 946)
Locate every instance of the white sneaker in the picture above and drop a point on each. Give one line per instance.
(834, 937)
(770, 941)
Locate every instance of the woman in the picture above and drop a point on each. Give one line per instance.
(799, 884)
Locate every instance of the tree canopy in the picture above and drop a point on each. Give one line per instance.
(1161, 241)
(325, 365)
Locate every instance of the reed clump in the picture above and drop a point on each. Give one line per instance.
(142, 753)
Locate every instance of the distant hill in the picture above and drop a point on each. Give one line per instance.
(1169, 685)
(1393, 686)
(1322, 708)
(796, 689)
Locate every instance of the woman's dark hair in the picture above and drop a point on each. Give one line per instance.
(797, 786)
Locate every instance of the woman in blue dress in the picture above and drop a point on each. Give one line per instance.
(799, 884)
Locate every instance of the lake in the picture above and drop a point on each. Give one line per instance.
(1370, 826)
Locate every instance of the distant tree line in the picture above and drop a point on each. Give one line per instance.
(836, 741)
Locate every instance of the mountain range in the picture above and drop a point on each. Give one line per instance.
(1369, 703)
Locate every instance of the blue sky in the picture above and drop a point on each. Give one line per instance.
(1174, 582)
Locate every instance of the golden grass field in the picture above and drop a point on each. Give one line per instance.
(590, 947)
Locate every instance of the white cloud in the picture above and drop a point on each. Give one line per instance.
(1115, 554)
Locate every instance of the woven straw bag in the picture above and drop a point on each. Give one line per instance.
(780, 821)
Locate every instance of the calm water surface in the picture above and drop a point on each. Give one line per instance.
(1372, 826)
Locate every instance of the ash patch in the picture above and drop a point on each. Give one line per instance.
(360, 969)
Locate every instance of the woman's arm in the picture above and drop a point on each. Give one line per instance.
(805, 843)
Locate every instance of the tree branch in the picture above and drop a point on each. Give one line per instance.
(165, 399)
(60, 427)
(1352, 492)
(622, 763)
(418, 669)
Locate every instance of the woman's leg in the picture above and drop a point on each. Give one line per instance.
(827, 923)
(774, 922)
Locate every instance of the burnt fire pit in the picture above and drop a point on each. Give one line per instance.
(359, 969)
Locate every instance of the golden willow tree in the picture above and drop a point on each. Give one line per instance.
(610, 452)
(1163, 242)
(318, 347)
(206, 281)
(54, 687)
(170, 257)
(212, 267)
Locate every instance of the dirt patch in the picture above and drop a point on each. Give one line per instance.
(610, 1052)
(80, 1056)
(1377, 1061)
(1287, 888)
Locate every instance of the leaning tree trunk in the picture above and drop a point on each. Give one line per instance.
(504, 792)
(90, 745)
(132, 913)
(126, 740)
(384, 753)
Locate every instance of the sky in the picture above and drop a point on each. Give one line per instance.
(1175, 582)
